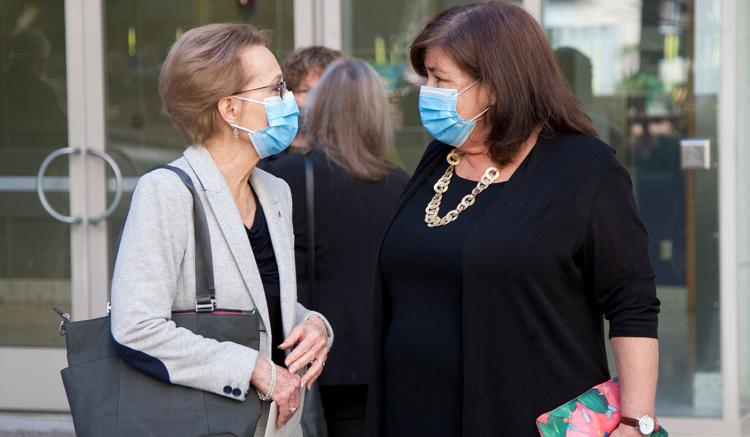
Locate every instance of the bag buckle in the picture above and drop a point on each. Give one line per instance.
(205, 307)
(65, 318)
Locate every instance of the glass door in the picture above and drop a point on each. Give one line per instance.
(35, 249)
(648, 74)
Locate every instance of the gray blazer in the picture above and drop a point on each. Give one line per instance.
(155, 275)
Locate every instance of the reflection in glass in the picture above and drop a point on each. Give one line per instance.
(647, 73)
(138, 36)
(34, 248)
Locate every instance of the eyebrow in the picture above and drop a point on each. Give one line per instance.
(433, 70)
(278, 78)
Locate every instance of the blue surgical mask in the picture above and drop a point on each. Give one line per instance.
(437, 108)
(282, 127)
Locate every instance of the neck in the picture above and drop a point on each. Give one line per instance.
(477, 163)
(477, 159)
(236, 160)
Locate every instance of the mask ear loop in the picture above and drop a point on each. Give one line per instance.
(467, 87)
(481, 114)
(236, 126)
(478, 116)
(244, 129)
(248, 100)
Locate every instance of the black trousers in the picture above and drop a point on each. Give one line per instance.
(345, 409)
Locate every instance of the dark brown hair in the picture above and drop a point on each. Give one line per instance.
(202, 67)
(502, 45)
(349, 120)
(298, 64)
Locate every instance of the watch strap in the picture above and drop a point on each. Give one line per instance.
(630, 422)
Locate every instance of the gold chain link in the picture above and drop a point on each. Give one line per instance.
(432, 211)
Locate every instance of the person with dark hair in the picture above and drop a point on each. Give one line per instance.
(516, 236)
(355, 189)
(302, 69)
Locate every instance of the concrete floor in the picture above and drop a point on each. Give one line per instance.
(36, 425)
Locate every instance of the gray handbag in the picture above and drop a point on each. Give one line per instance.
(109, 397)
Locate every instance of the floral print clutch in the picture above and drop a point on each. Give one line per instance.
(595, 413)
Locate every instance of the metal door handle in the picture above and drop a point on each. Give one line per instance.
(72, 151)
(118, 185)
(40, 184)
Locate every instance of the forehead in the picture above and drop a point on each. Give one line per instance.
(438, 60)
(310, 79)
(259, 64)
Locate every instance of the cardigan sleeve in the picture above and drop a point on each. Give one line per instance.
(617, 267)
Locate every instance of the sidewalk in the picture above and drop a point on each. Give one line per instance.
(36, 425)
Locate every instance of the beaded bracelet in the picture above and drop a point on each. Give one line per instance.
(267, 397)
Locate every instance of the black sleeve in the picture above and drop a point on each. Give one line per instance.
(617, 264)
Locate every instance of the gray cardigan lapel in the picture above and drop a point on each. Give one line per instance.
(283, 247)
(225, 210)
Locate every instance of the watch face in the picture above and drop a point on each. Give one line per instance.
(646, 425)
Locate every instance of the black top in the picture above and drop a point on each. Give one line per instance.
(265, 258)
(350, 218)
(559, 248)
(423, 371)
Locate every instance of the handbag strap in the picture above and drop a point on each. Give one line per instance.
(310, 211)
(205, 291)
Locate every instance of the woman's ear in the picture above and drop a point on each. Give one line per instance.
(493, 96)
(228, 110)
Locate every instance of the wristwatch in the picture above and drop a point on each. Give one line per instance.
(644, 424)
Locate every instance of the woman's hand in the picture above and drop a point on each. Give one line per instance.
(311, 348)
(285, 391)
(625, 431)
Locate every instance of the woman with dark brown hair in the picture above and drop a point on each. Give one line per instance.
(516, 236)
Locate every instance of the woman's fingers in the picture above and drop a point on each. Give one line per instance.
(312, 327)
(287, 409)
(303, 355)
(311, 336)
(293, 337)
(302, 348)
(286, 395)
(314, 372)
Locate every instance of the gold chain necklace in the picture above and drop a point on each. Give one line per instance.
(441, 186)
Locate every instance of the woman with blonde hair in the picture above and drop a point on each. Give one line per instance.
(224, 90)
(338, 223)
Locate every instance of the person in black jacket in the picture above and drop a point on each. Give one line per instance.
(355, 193)
(517, 235)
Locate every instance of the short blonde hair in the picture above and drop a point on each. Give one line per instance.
(348, 118)
(201, 68)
